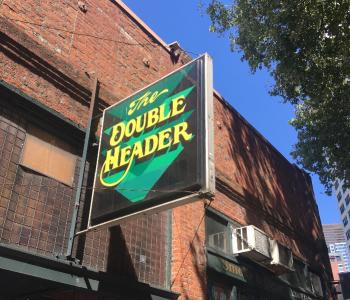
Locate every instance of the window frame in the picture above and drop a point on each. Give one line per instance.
(345, 221)
(229, 225)
(55, 151)
(342, 208)
(347, 199)
(339, 196)
(336, 184)
(348, 235)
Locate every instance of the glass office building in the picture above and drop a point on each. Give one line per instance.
(337, 244)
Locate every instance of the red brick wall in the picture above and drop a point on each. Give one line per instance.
(256, 185)
(188, 256)
(53, 66)
(117, 56)
(281, 192)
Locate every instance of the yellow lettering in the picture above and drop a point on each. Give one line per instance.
(112, 158)
(156, 95)
(229, 267)
(144, 100)
(151, 144)
(137, 150)
(162, 116)
(135, 105)
(125, 155)
(225, 265)
(152, 117)
(140, 126)
(164, 140)
(130, 128)
(180, 131)
(177, 106)
(117, 134)
(118, 157)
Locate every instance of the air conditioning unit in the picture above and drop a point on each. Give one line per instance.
(218, 241)
(252, 243)
(282, 258)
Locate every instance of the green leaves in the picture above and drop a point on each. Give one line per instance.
(306, 47)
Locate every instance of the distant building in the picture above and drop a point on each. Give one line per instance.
(336, 243)
(336, 259)
(343, 197)
(345, 284)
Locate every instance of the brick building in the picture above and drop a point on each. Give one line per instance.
(50, 53)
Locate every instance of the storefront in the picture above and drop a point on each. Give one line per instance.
(232, 277)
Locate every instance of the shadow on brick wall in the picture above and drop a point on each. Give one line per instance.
(42, 68)
(274, 191)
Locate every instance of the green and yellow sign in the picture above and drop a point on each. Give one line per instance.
(154, 145)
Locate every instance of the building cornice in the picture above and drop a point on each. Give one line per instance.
(142, 24)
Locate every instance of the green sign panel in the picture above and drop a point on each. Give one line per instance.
(156, 146)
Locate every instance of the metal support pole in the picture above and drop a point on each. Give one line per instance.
(81, 172)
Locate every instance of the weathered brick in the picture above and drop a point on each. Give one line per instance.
(51, 67)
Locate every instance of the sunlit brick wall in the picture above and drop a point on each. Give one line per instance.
(256, 184)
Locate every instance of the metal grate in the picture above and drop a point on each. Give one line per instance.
(35, 214)
(138, 249)
(34, 209)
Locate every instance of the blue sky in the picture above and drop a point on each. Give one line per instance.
(183, 21)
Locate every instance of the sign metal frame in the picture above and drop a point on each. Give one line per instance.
(207, 163)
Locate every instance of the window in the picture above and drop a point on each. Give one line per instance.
(348, 235)
(345, 221)
(48, 155)
(339, 196)
(340, 267)
(336, 185)
(220, 292)
(347, 200)
(342, 208)
(218, 232)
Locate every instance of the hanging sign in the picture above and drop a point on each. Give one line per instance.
(156, 147)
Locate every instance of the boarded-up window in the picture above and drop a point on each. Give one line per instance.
(48, 155)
